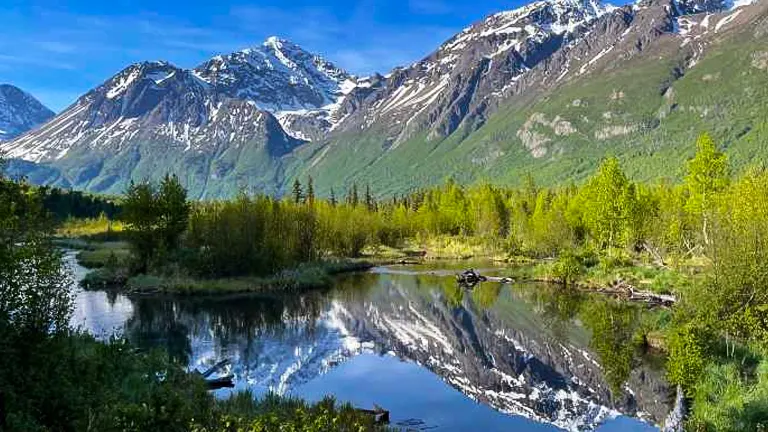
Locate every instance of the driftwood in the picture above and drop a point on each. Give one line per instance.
(215, 368)
(379, 414)
(629, 292)
(470, 278)
(220, 383)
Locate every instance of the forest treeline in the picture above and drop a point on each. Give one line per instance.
(609, 214)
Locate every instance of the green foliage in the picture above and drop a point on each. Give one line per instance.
(726, 399)
(689, 346)
(101, 228)
(155, 219)
(34, 286)
(65, 204)
(274, 413)
(567, 268)
(707, 176)
(110, 255)
(608, 203)
(54, 379)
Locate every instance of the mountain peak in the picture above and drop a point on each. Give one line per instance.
(277, 75)
(19, 112)
(277, 42)
(556, 16)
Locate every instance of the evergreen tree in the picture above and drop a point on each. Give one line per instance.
(353, 198)
(297, 193)
(332, 199)
(173, 211)
(310, 191)
(141, 214)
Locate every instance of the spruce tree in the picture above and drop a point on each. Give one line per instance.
(354, 198)
(310, 191)
(297, 193)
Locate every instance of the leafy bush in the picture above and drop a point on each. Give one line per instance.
(689, 347)
(567, 268)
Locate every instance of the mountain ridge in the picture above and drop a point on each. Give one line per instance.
(478, 100)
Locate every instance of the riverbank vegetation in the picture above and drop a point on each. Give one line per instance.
(704, 240)
(53, 378)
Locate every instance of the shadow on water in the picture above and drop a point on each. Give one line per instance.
(548, 356)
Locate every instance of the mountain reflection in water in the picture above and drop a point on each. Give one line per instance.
(406, 341)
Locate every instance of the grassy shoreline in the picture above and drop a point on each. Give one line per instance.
(109, 261)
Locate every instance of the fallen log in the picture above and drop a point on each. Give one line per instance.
(213, 369)
(379, 414)
(221, 382)
(622, 288)
(226, 381)
(470, 278)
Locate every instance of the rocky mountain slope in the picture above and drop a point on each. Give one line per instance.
(548, 88)
(19, 112)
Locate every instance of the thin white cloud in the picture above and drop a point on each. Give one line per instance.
(36, 61)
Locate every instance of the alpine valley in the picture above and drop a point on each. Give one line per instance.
(550, 88)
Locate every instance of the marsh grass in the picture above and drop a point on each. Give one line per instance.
(303, 278)
(94, 228)
(106, 254)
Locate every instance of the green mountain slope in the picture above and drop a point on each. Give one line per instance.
(647, 112)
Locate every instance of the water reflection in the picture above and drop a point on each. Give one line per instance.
(525, 350)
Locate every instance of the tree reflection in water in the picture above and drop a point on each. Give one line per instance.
(531, 342)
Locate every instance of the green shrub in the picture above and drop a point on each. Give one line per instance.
(689, 347)
(567, 268)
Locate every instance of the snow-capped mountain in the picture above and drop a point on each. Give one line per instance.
(221, 119)
(474, 70)
(19, 112)
(282, 78)
(490, 98)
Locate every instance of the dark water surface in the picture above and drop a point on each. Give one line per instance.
(497, 358)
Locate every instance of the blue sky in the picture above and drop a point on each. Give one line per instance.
(58, 50)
